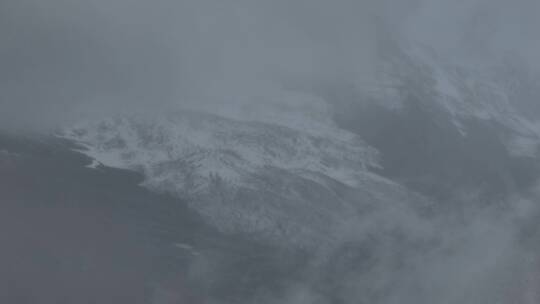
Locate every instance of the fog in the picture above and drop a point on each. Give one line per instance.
(63, 60)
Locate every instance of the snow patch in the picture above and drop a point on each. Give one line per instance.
(186, 151)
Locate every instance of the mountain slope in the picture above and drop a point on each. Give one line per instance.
(442, 128)
(71, 233)
(387, 182)
(264, 179)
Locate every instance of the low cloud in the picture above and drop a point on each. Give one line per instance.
(60, 58)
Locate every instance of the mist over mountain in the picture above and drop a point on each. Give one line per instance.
(269, 151)
(63, 59)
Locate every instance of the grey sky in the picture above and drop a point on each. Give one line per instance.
(60, 56)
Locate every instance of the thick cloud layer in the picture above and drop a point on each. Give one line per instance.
(478, 28)
(62, 57)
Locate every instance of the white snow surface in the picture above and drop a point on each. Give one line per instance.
(190, 148)
(268, 176)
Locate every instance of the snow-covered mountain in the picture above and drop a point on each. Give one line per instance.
(206, 146)
(246, 176)
(280, 168)
(362, 188)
